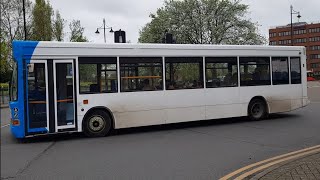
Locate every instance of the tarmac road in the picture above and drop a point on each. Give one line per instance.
(197, 150)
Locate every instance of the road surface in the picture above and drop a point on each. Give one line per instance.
(197, 150)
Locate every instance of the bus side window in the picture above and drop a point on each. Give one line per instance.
(98, 75)
(221, 72)
(184, 72)
(280, 70)
(255, 71)
(295, 65)
(141, 74)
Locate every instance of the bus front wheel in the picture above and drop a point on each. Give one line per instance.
(97, 124)
(257, 109)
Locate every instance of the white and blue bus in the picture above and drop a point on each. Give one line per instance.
(93, 88)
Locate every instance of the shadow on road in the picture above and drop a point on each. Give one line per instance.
(158, 128)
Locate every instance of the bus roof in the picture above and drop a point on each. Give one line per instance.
(52, 44)
(27, 49)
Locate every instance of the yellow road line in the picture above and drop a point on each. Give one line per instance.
(228, 176)
(276, 162)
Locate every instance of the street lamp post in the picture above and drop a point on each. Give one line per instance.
(291, 13)
(24, 20)
(104, 27)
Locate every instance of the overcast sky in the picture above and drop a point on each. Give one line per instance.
(132, 15)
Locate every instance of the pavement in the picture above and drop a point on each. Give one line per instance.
(307, 167)
(313, 83)
(301, 164)
(4, 100)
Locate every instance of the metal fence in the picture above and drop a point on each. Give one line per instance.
(4, 95)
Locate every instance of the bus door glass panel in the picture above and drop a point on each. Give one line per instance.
(37, 95)
(64, 95)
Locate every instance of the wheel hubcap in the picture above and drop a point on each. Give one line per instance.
(257, 110)
(96, 123)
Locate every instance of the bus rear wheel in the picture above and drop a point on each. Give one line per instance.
(257, 109)
(97, 124)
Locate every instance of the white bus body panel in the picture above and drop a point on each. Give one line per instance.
(133, 109)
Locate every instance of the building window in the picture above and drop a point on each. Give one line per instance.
(280, 70)
(272, 43)
(314, 48)
(300, 40)
(314, 39)
(285, 33)
(295, 70)
(184, 73)
(254, 71)
(301, 31)
(315, 56)
(141, 74)
(221, 72)
(273, 34)
(315, 65)
(283, 42)
(314, 30)
(98, 75)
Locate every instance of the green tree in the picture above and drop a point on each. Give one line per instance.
(77, 32)
(5, 70)
(58, 26)
(42, 21)
(12, 19)
(202, 22)
(12, 29)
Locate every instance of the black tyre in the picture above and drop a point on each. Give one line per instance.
(97, 124)
(257, 109)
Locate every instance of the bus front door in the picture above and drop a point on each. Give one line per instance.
(37, 97)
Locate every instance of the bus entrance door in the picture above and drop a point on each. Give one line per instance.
(64, 96)
(37, 97)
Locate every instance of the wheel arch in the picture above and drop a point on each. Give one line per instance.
(103, 108)
(261, 98)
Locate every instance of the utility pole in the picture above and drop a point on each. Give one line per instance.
(24, 20)
(291, 13)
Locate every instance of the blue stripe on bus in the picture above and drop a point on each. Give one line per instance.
(22, 51)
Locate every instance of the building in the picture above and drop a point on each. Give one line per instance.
(304, 34)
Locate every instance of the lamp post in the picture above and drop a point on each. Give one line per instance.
(24, 20)
(104, 27)
(291, 13)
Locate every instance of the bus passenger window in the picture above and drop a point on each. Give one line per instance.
(141, 74)
(280, 70)
(221, 72)
(295, 65)
(98, 75)
(184, 73)
(255, 71)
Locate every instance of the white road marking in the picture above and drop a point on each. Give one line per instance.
(5, 125)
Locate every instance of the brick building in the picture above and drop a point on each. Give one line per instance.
(304, 34)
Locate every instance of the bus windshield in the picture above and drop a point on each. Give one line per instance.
(14, 84)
